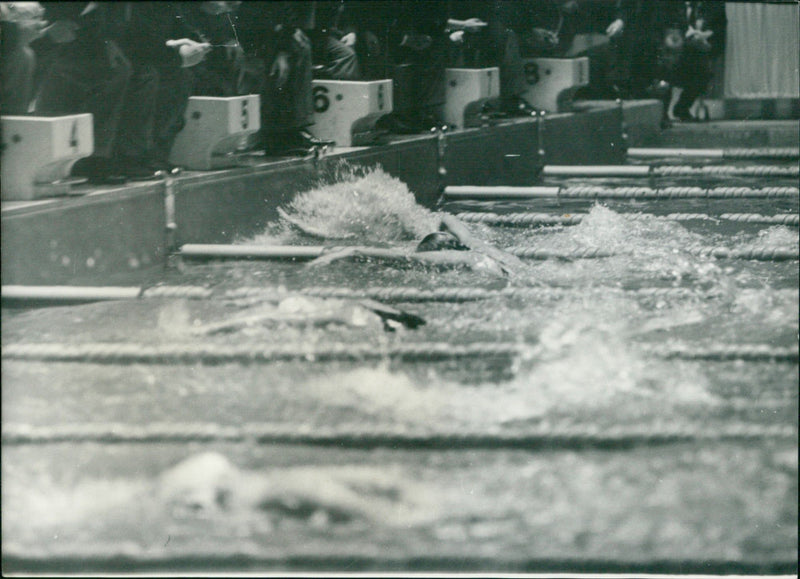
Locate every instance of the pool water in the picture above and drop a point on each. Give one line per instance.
(584, 365)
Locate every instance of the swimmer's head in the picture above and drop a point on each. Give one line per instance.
(440, 240)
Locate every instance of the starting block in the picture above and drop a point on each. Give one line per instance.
(217, 130)
(38, 154)
(346, 111)
(467, 90)
(551, 82)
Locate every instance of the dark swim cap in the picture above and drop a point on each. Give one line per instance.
(440, 240)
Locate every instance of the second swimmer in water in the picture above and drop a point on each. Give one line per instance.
(453, 245)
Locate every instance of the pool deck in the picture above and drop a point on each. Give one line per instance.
(100, 234)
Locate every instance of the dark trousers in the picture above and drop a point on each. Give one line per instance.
(693, 75)
(497, 46)
(154, 109)
(333, 59)
(288, 108)
(81, 81)
(18, 66)
(421, 93)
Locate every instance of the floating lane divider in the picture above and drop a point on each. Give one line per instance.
(594, 192)
(732, 153)
(544, 219)
(222, 251)
(772, 254)
(302, 252)
(215, 353)
(667, 171)
(33, 295)
(415, 436)
(459, 294)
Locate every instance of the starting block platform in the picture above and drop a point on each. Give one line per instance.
(467, 90)
(39, 152)
(346, 111)
(216, 130)
(551, 82)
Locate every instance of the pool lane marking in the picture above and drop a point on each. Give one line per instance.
(431, 436)
(667, 170)
(220, 353)
(729, 153)
(258, 252)
(523, 219)
(596, 192)
(30, 296)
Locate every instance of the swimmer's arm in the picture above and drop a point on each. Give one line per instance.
(457, 228)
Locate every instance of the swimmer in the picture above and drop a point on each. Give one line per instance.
(314, 311)
(453, 245)
(209, 485)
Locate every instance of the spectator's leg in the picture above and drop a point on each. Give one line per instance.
(174, 90)
(429, 82)
(512, 74)
(137, 121)
(339, 61)
(74, 84)
(18, 66)
(695, 75)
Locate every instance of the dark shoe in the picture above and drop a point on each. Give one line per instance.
(306, 139)
(137, 169)
(161, 165)
(98, 171)
(396, 125)
(298, 144)
(685, 118)
(286, 149)
(518, 107)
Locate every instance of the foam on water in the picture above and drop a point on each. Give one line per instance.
(586, 360)
(364, 204)
(642, 246)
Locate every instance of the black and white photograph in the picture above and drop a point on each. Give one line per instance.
(435, 288)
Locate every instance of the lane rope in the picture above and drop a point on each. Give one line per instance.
(200, 353)
(458, 295)
(669, 171)
(32, 294)
(725, 170)
(409, 435)
(772, 254)
(545, 219)
(598, 192)
(726, 153)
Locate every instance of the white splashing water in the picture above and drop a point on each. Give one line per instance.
(642, 246)
(364, 203)
(586, 360)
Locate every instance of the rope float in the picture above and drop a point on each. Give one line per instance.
(667, 171)
(30, 295)
(732, 153)
(594, 192)
(188, 353)
(196, 251)
(545, 219)
(776, 254)
(192, 353)
(458, 295)
(416, 435)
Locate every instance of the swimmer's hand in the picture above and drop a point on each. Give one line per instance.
(191, 52)
(615, 28)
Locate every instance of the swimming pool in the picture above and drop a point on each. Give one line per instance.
(588, 448)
